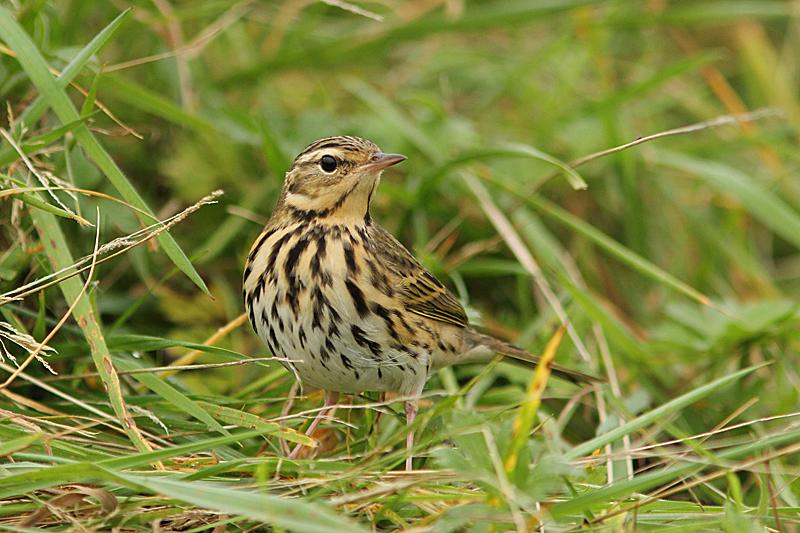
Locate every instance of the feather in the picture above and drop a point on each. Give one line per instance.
(418, 289)
(482, 348)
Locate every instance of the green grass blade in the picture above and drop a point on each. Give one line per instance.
(55, 245)
(244, 419)
(720, 12)
(616, 331)
(347, 49)
(528, 409)
(670, 407)
(602, 497)
(38, 203)
(15, 485)
(172, 395)
(35, 201)
(395, 116)
(431, 181)
(142, 459)
(37, 69)
(574, 179)
(613, 247)
(9, 155)
(291, 514)
(149, 343)
(13, 446)
(151, 102)
(34, 111)
(764, 205)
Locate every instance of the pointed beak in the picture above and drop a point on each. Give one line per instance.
(381, 161)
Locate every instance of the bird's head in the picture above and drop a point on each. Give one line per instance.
(334, 178)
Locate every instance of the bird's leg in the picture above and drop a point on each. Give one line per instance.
(411, 414)
(328, 409)
(411, 406)
(287, 406)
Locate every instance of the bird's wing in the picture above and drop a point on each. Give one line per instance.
(425, 295)
(418, 289)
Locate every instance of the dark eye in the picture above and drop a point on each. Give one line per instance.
(327, 163)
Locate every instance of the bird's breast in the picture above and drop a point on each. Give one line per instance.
(317, 294)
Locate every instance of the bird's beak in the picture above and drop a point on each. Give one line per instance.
(381, 161)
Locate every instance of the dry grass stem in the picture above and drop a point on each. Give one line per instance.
(523, 255)
(38, 349)
(120, 244)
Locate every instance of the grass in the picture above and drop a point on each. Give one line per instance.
(133, 395)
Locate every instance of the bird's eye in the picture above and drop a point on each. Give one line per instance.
(327, 163)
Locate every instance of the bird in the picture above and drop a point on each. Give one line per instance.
(346, 307)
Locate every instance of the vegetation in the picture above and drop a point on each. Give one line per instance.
(676, 268)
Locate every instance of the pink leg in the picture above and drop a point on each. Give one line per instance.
(328, 409)
(411, 414)
(285, 412)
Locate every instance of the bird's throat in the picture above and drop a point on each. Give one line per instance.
(346, 206)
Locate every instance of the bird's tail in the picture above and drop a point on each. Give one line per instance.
(482, 348)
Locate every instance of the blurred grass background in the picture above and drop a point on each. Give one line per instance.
(677, 266)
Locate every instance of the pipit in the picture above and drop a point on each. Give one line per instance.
(341, 300)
